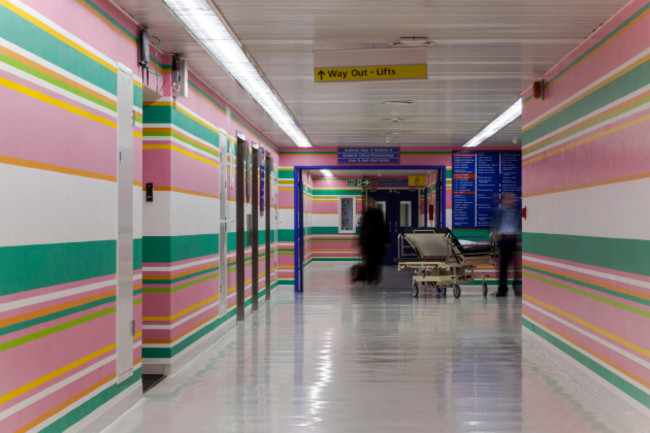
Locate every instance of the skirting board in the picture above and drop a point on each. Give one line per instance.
(106, 414)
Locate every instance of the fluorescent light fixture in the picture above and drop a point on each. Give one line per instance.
(505, 118)
(327, 173)
(206, 26)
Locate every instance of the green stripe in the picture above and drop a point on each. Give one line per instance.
(58, 83)
(86, 408)
(54, 329)
(137, 254)
(47, 318)
(168, 249)
(620, 305)
(177, 136)
(611, 377)
(338, 192)
(626, 255)
(26, 35)
(112, 20)
(624, 85)
(29, 267)
(591, 286)
(172, 115)
(179, 287)
(599, 44)
(137, 97)
(285, 173)
(184, 277)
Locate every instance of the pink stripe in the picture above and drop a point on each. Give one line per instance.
(617, 155)
(615, 53)
(89, 146)
(612, 355)
(26, 362)
(622, 323)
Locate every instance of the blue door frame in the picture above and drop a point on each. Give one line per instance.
(298, 222)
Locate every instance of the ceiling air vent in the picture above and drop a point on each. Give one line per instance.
(412, 41)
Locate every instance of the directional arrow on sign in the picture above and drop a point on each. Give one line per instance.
(321, 74)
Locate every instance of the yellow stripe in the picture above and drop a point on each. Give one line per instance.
(584, 95)
(181, 313)
(48, 99)
(54, 374)
(56, 34)
(179, 150)
(590, 326)
(56, 168)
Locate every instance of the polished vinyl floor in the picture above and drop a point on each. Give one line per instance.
(349, 358)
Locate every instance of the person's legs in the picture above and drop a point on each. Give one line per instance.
(516, 264)
(372, 265)
(506, 251)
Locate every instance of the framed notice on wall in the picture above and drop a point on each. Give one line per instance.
(479, 179)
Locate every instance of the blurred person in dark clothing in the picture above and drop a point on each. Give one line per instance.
(373, 239)
(507, 228)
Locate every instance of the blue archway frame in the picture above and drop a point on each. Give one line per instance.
(298, 222)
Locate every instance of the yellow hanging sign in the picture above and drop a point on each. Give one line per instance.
(417, 181)
(361, 73)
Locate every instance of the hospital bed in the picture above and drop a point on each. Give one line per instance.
(441, 260)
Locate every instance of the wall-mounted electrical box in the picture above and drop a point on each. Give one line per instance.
(179, 78)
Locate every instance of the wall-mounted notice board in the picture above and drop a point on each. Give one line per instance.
(478, 181)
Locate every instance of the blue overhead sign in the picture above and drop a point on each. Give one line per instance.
(478, 181)
(368, 155)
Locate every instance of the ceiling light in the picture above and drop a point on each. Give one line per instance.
(412, 41)
(326, 173)
(206, 26)
(504, 119)
(399, 102)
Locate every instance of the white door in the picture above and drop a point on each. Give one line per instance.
(124, 223)
(223, 224)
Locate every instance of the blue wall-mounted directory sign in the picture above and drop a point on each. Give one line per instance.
(368, 155)
(478, 181)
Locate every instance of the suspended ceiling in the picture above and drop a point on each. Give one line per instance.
(485, 53)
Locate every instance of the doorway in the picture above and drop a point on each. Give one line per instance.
(400, 208)
(330, 239)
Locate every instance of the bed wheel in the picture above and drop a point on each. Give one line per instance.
(415, 289)
(456, 291)
(485, 289)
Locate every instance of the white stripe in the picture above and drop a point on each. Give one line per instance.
(7, 306)
(54, 388)
(56, 207)
(178, 129)
(63, 32)
(597, 339)
(586, 132)
(576, 96)
(185, 319)
(211, 259)
(604, 211)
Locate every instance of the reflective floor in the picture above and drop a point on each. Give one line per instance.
(343, 358)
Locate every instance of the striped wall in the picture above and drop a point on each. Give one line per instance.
(58, 159)
(586, 240)
(181, 281)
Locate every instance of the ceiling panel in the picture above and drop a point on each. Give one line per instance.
(485, 53)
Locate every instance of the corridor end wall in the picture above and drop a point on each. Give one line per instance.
(586, 241)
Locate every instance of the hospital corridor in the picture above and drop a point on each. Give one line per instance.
(324, 216)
